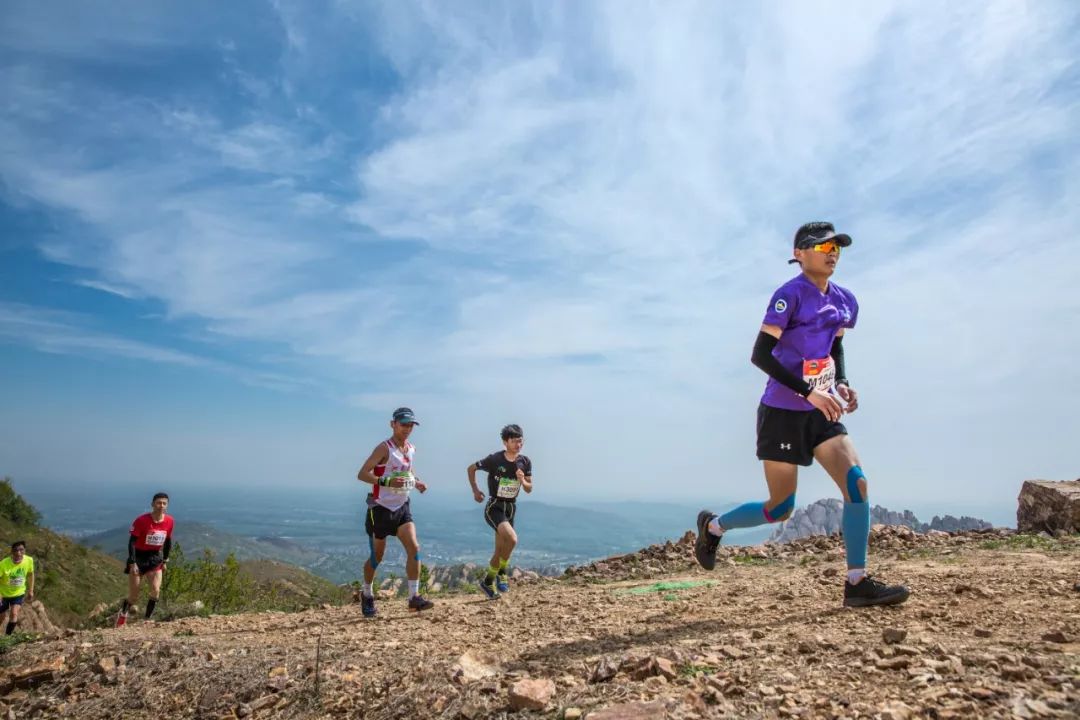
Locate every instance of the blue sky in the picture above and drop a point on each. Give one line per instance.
(235, 237)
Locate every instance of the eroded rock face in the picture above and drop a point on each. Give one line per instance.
(34, 619)
(823, 517)
(1049, 506)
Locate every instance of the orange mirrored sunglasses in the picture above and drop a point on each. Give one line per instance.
(826, 247)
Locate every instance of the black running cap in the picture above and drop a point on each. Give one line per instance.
(405, 416)
(813, 233)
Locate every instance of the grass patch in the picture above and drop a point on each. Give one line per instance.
(9, 641)
(666, 587)
(1029, 542)
(692, 670)
(747, 560)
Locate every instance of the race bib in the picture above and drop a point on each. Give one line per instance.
(508, 487)
(408, 477)
(16, 581)
(156, 538)
(820, 374)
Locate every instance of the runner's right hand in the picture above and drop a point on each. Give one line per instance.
(477, 495)
(827, 404)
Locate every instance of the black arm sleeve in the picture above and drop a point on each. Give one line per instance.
(131, 549)
(166, 548)
(763, 358)
(837, 354)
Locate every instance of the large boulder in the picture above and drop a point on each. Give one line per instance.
(1050, 506)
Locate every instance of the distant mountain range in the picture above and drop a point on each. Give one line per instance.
(196, 537)
(823, 518)
(552, 537)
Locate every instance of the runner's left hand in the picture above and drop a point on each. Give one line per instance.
(30, 598)
(520, 475)
(849, 396)
(421, 486)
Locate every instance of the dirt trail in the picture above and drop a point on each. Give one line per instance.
(991, 630)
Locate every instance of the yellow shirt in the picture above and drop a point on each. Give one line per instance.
(13, 577)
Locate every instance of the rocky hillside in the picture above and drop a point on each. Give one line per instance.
(823, 518)
(991, 631)
(195, 538)
(69, 579)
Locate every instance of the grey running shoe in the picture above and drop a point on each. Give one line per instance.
(418, 603)
(367, 605)
(706, 543)
(869, 591)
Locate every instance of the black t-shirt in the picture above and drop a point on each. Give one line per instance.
(502, 474)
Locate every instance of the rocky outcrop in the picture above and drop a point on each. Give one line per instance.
(823, 518)
(34, 619)
(1049, 506)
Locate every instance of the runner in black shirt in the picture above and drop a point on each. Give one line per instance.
(509, 472)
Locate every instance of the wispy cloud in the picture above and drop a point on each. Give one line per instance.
(105, 287)
(66, 333)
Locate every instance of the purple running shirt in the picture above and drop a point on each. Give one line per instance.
(810, 320)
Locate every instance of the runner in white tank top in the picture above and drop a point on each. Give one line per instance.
(398, 465)
(389, 470)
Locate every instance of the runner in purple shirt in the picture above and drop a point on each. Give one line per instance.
(800, 347)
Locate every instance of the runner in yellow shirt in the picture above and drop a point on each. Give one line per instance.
(16, 583)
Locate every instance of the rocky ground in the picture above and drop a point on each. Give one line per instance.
(991, 631)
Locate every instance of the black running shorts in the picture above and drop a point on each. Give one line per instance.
(791, 435)
(147, 561)
(7, 603)
(380, 521)
(498, 511)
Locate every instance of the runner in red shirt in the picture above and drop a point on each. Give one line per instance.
(148, 551)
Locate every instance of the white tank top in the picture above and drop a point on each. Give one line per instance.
(398, 464)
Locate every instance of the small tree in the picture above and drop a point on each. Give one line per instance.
(13, 507)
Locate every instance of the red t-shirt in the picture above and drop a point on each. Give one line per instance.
(150, 535)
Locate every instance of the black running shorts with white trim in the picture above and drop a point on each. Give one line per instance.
(791, 435)
(498, 511)
(380, 521)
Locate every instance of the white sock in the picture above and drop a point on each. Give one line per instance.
(855, 575)
(414, 588)
(368, 590)
(715, 528)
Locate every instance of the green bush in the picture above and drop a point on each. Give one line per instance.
(14, 508)
(220, 587)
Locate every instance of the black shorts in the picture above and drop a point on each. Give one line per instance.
(380, 522)
(499, 511)
(147, 561)
(791, 435)
(6, 603)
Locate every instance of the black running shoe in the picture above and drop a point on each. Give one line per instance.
(418, 603)
(706, 543)
(488, 586)
(367, 605)
(869, 591)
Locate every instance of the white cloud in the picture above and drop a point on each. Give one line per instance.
(66, 333)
